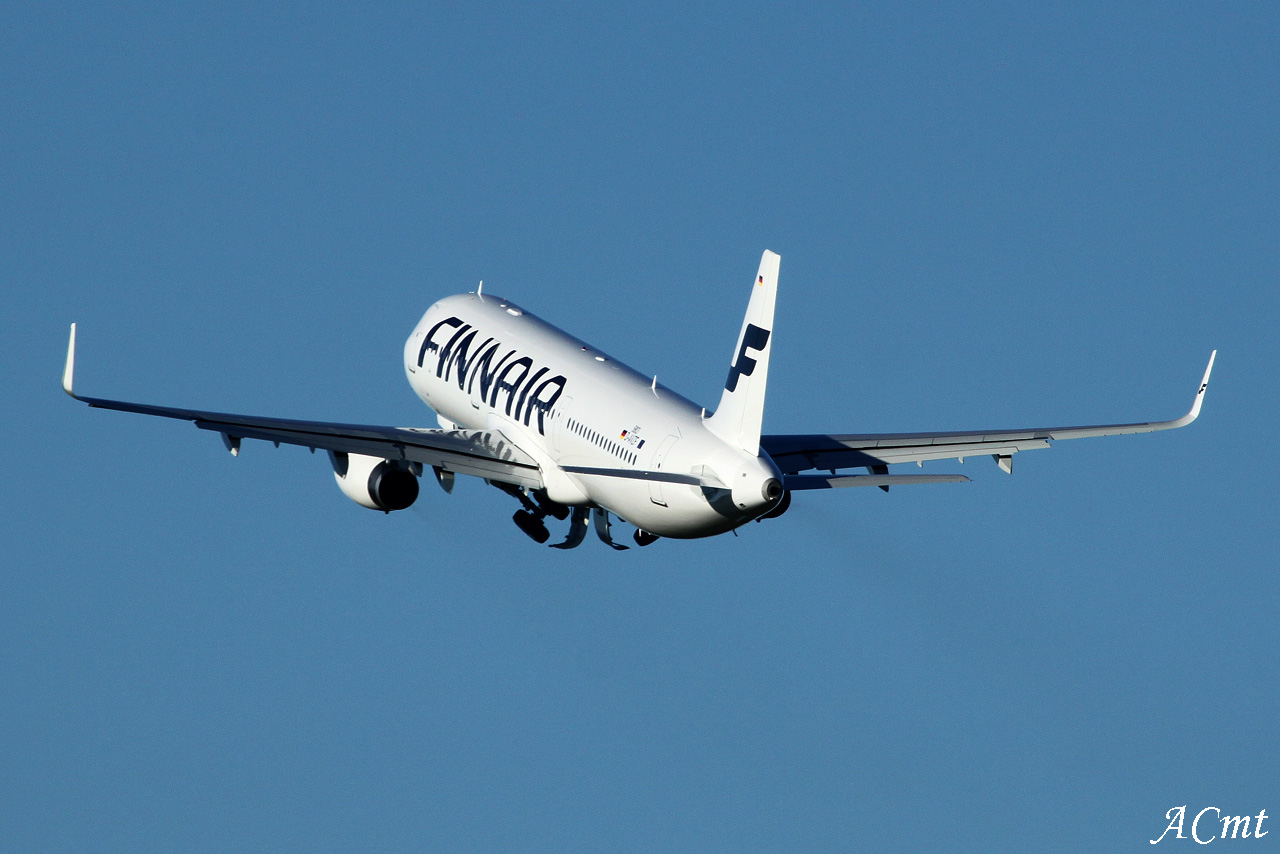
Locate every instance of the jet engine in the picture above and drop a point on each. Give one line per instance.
(373, 482)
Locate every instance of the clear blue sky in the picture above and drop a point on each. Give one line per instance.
(988, 215)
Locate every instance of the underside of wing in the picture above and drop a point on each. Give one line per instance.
(830, 451)
(481, 453)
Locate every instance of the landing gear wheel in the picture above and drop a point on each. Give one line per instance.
(532, 526)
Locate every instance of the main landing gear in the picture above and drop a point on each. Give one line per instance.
(531, 525)
(536, 507)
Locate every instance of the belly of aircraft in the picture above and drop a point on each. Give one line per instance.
(686, 514)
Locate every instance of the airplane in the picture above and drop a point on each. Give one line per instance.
(572, 433)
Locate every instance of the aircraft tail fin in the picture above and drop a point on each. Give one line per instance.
(738, 418)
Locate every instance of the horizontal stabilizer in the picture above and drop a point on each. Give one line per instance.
(839, 481)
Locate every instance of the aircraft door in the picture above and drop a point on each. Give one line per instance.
(655, 487)
(557, 425)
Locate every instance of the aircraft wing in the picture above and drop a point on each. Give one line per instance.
(483, 453)
(797, 453)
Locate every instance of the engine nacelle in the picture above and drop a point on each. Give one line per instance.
(374, 482)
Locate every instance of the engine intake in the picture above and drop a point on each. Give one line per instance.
(374, 482)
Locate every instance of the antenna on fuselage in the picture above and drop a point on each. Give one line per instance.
(480, 289)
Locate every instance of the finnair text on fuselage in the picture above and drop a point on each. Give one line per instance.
(511, 379)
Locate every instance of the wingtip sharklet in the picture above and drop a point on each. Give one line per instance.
(1199, 401)
(69, 370)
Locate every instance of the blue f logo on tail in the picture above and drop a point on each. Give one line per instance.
(754, 338)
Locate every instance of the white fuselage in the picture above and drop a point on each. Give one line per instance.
(482, 362)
